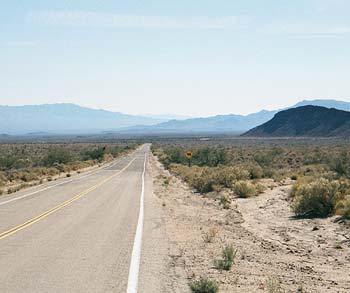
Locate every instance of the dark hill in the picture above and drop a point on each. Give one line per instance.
(306, 121)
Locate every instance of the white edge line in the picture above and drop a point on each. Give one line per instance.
(62, 183)
(136, 251)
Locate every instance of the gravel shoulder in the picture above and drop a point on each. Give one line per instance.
(308, 255)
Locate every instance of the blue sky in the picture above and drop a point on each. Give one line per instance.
(196, 58)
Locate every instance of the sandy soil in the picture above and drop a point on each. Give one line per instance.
(309, 255)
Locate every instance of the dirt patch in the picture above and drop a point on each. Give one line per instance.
(303, 255)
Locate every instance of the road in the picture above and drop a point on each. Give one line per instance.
(76, 235)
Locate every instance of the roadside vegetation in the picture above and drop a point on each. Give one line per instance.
(204, 285)
(318, 169)
(227, 258)
(27, 164)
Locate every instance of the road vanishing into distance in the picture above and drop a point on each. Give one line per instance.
(78, 234)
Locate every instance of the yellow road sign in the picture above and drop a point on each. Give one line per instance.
(189, 155)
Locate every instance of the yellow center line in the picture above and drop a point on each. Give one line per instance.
(60, 206)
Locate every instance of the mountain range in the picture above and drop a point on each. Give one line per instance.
(232, 123)
(305, 121)
(65, 118)
(74, 119)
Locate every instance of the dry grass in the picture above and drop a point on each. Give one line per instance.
(210, 236)
(227, 258)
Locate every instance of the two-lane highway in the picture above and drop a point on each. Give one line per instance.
(78, 236)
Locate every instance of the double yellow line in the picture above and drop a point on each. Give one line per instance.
(60, 206)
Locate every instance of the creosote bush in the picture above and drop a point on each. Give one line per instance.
(204, 285)
(343, 208)
(245, 189)
(316, 199)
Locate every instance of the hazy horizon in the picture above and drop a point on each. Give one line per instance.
(175, 115)
(195, 59)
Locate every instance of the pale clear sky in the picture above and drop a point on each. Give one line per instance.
(200, 58)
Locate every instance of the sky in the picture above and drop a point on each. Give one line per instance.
(193, 58)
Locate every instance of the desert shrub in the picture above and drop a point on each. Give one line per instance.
(24, 185)
(225, 202)
(107, 157)
(32, 161)
(211, 157)
(95, 154)
(244, 189)
(317, 171)
(28, 176)
(342, 208)
(1, 192)
(208, 179)
(341, 164)
(316, 199)
(240, 173)
(60, 167)
(205, 182)
(268, 157)
(255, 171)
(58, 155)
(7, 162)
(301, 181)
(202, 179)
(13, 189)
(226, 261)
(344, 186)
(259, 188)
(2, 180)
(184, 172)
(268, 172)
(117, 150)
(162, 156)
(176, 155)
(202, 156)
(204, 285)
(227, 176)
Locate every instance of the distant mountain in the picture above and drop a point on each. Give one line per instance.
(65, 118)
(340, 105)
(221, 123)
(166, 117)
(72, 119)
(228, 123)
(305, 121)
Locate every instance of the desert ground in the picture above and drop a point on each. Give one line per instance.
(275, 251)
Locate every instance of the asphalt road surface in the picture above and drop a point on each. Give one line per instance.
(77, 234)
